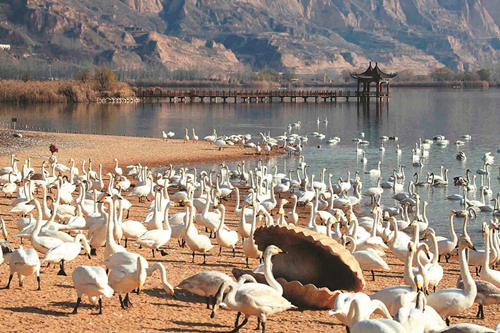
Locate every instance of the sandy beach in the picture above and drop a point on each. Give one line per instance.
(102, 149)
(25, 309)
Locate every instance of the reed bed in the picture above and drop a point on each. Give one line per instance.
(20, 92)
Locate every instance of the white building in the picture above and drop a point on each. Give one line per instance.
(5, 47)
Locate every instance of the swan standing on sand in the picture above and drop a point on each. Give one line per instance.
(225, 238)
(24, 263)
(156, 238)
(451, 302)
(42, 243)
(250, 249)
(125, 278)
(93, 282)
(255, 299)
(118, 171)
(195, 241)
(195, 137)
(67, 252)
(368, 260)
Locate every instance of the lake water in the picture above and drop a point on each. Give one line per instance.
(411, 114)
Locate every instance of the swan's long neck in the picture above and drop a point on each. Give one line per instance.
(454, 237)
(223, 216)
(268, 273)
(435, 249)
(469, 285)
(396, 233)
(237, 206)
(375, 223)
(408, 272)
(110, 241)
(310, 224)
(163, 274)
(39, 220)
(487, 240)
(207, 203)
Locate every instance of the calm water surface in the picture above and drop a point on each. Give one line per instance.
(411, 114)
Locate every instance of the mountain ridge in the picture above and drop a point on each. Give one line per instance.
(305, 36)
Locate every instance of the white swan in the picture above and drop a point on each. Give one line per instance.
(42, 243)
(368, 260)
(111, 246)
(118, 171)
(67, 252)
(375, 172)
(363, 324)
(24, 263)
(255, 299)
(250, 249)
(125, 278)
(93, 282)
(195, 241)
(225, 238)
(433, 269)
(156, 238)
(488, 274)
(450, 302)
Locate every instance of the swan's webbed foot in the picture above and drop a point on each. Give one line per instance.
(163, 253)
(61, 270)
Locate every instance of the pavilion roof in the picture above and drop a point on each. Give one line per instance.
(373, 73)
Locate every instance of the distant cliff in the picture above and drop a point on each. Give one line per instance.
(307, 36)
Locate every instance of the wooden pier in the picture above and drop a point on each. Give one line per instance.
(248, 96)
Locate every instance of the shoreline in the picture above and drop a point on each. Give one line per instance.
(102, 149)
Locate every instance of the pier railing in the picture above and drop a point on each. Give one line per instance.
(282, 95)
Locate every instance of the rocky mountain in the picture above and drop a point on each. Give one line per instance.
(307, 36)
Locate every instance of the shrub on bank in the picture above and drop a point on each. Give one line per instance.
(18, 91)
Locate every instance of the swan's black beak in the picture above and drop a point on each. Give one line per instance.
(473, 248)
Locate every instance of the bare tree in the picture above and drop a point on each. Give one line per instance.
(105, 78)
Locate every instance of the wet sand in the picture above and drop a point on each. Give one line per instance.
(25, 309)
